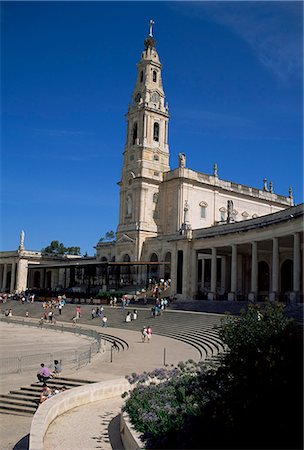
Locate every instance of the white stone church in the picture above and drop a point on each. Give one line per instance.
(211, 238)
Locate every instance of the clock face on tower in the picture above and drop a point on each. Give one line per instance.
(155, 97)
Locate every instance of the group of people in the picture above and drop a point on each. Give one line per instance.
(130, 317)
(160, 306)
(146, 334)
(47, 392)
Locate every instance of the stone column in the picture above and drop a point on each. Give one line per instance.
(4, 278)
(194, 272)
(254, 272)
(223, 274)
(296, 262)
(212, 293)
(275, 269)
(173, 270)
(233, 287)
(13, 276)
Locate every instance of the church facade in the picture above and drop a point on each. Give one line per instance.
(210, 237)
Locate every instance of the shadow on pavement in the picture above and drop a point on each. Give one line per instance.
(23, 444)
(114, 433)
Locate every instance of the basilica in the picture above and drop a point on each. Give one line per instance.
(208, 237)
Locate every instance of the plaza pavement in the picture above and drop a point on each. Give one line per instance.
(138, 358)
(97, 424)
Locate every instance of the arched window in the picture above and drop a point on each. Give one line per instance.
(126, 258)
(134, 134)
(156, 132)
(156, 158)
(141, 76)
(154, 76)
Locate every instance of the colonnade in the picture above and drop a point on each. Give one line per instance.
(237, 259)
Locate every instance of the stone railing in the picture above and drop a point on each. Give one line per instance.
(61, 403)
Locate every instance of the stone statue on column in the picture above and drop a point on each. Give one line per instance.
(265, 188)
(181, 160)
(186, 227)
(271, 187)
(21, 246)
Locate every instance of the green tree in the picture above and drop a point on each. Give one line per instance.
(109, 236)
(57, 248)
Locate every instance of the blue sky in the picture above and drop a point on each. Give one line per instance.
(232, 74)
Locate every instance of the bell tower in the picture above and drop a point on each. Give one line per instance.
(145, 157)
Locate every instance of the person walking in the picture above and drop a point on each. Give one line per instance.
(144, 334)
(149, 334)
(104, 321)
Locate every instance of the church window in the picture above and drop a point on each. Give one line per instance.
(203, 205)
(134, 134)
(154, 76)
(203, 212)
(156, 132)
(129, 205)
(141, 76)
(156, 158)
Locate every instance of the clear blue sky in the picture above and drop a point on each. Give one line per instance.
(232, 74)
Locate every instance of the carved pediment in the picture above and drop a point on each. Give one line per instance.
(125, 238)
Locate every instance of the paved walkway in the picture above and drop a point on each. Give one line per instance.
(140, 357)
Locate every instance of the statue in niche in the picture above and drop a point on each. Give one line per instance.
(229, 211)
(129, 205)
(181, 160)
(186, 212)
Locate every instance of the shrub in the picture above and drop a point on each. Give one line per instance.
(252, 399)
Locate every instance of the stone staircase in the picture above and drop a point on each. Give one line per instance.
(197, 330)
(25, 400)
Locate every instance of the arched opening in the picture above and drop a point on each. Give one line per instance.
(134, 133)
(154, 268)
(156, 132)
(141, 76)
(168, 266)
(154, 76)
(287, 276)
(48, 281)
(125, 271)
(263, 277)
(37, 279)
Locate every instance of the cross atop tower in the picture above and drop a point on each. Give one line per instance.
(151, 23)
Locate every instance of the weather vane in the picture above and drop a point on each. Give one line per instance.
(151, 27)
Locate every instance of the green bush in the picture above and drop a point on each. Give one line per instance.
(252, 399)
